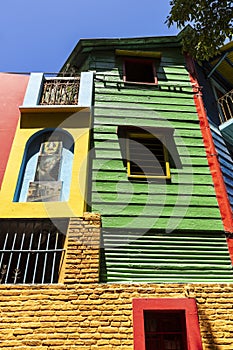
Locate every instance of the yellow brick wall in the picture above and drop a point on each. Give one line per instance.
(86, 315)
(96, 316)
(81, 263)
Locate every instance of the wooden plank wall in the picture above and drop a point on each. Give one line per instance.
(183, 206)
(143, 106)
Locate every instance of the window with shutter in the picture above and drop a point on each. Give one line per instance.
(147, 156)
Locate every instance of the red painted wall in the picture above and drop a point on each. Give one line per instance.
(12, 91)
(212, 156)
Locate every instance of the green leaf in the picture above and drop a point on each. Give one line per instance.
(211, 21)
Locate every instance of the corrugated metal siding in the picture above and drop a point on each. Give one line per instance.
(152, 257)
(123, 203)
(225, 160)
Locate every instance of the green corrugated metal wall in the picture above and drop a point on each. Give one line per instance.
(186, 204)
(134, 256)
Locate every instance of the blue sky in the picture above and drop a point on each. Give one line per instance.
(39, 35)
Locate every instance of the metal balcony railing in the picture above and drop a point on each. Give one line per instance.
(225, 103)
(60, 91)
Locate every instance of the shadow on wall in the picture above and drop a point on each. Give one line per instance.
(208, 337)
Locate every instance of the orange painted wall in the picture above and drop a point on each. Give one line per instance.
(12, 91)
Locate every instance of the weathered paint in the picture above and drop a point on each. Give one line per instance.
(12, 90)
(223, 150)
(137, 217)
(216, 170)
(78, 125)
(220, 188)
(131, 255)
(117, 105)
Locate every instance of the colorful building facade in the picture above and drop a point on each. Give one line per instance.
(114, 229)
(216, 78)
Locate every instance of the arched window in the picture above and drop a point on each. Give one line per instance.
(46, 170)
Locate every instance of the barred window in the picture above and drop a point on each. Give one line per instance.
(31, 251)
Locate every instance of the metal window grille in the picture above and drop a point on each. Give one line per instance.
(226, 106)
(60, 91)
(31, 251)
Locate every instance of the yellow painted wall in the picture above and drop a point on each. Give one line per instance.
(77, 123)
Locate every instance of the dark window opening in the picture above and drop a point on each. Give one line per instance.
(31, 251)
(148, 153)
(140, 70)
(165, 330)
(147, 156)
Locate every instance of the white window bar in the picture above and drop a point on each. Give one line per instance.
(226, 106)
(54, 256)
(11, 255)
(28, 256)
(35, 267)
(3, 267)
(45, 258)
(30, 251)
(17, 270)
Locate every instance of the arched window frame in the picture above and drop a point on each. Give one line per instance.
(29, 154)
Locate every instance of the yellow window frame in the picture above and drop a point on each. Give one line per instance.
(143, 136)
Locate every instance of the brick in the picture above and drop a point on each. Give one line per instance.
(31, 342)
(82, 314)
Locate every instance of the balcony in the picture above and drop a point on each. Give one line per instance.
(60, 91)
(225, 104)
(55, 94)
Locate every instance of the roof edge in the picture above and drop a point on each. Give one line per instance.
(87, 45)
